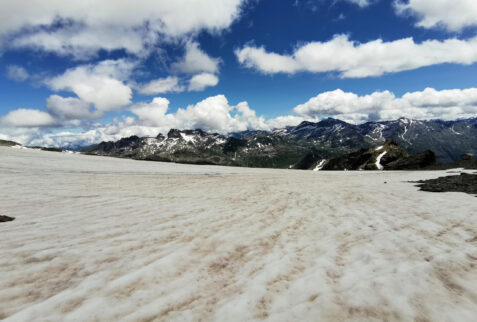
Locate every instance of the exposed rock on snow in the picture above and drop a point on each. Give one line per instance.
(387, 157)
(9, 143)
(310, 161)
(6, 218)
(464, 182)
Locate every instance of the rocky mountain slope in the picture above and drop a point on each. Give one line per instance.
(283, 148)
(8, 143)
(389, 156)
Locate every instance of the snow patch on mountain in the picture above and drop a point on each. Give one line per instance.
(378, 160)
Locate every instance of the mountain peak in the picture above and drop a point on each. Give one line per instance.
(174, 133)
(330, 122)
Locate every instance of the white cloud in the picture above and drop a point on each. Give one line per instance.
(266, 62)
(154, 114)
(214, 114)
(201, 81)
(101, 84)
(454, 15)
(196, 61)
(70, 108)
(355, 60)
(280, 122)
(422, 105)
(17, 73)
(27, 118)
(83, 42)
(361, 3)
(161, 85)
(81, 28)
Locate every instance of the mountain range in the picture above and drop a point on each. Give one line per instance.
(284, 148)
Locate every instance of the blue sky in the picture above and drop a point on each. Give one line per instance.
(78, 72)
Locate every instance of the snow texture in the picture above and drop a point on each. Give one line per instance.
(108, 239)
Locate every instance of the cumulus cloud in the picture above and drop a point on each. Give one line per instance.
(154, 114)
(280, 122)
(27, 118)
(356, 60)
(201, 81)
(101, 85)
(215, 114)
(196, 61)
(453, 15)
(81, 28)
(161, 85)
(17, 73)
(422, 105)
(70, 108)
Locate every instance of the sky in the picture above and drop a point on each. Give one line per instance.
(75, 73)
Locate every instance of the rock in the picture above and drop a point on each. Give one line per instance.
(413, 162)
(233, 144)
(51, 149)
(174, 134)
(467, 161)
(390, 156)
(309, 161)
(8, 143)
(463, 183)
(467, 157)
(350, 161)
(118, 147)
(6, 218)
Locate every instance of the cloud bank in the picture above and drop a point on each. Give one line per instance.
(378, 106)
(216, 114)
(453, 15)
(82, 28)
(356, 60)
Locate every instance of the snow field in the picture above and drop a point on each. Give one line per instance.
(108, 239)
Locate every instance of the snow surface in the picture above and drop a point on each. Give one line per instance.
(108, 239)
(379, 148)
